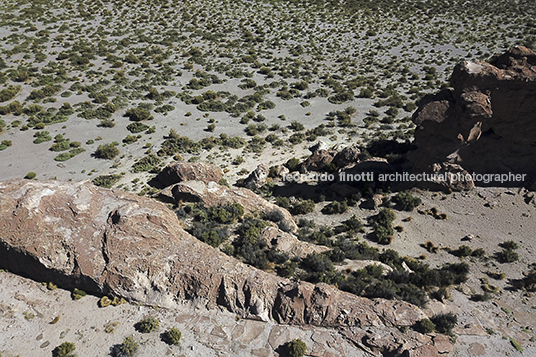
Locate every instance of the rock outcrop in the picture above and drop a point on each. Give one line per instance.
(485, 123)
(185, 171)
(289, 243)
(257, 177)
(213, 194)
(114, 242)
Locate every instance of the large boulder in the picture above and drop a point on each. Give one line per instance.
(257, 178)
(115, 242)
(485, 123)
(185, 171)
(319, 160)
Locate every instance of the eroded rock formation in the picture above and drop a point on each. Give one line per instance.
(114, 242)
(185, 171)
(485, 123)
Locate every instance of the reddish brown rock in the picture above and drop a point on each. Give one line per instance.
(289, 243)
(257, 177)
(486, 123)
(443, 344)
(115, 242)
(422, 351)
(347, 156)
(318, 161)
(185, 171)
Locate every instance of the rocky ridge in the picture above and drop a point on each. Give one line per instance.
(116, 243)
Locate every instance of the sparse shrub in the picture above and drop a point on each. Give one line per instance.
(296, 348)
(138, 114)
(302, 207)
(147, 163)
(516, 345)
(110, 327)
(137, 127)
(129, 139)
(173, 336)
(296, 126)
(66, 349)
(463, 251)
(9, 93)
(107, 151)
(444, 323)
(148, 324)
(478, 252)
(104, 301)
(128, 348)
(507, 256)
(335, 207)
(407, 201)
(292, 164)
(382, 225)
(424, 326)
(78, 294)
(510, 244)
(5, 144)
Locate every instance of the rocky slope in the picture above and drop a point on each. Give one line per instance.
(485, 123)
(114, 242)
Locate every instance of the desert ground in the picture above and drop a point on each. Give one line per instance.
(96, 90)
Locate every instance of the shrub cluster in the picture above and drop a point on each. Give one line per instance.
(382, 226)
(148, 324)
(406, 201)
(106, 181)
(107, 151)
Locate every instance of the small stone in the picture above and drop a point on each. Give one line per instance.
(476, 349)
(45, 344)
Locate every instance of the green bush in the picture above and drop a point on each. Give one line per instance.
(335, 207)
(30, 175)
(146, 163)
(137, 127)
(60, 146)
(296, 126)
(41, 136)
(292, 164)
(424, 326)
(65, 350)
(148, 324)
(128, 348)
(509, 244)
(463, 251)
(107, 151)
(406, 201)
(507, 256)
(106, 181)
(64, 156)
(382, 225)
(302, 207)
(78, 294)
(138, 114)
(129, 139)
(9, 93)
(173, 336)
(296, 348)
(5, 144)
(444, 323)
